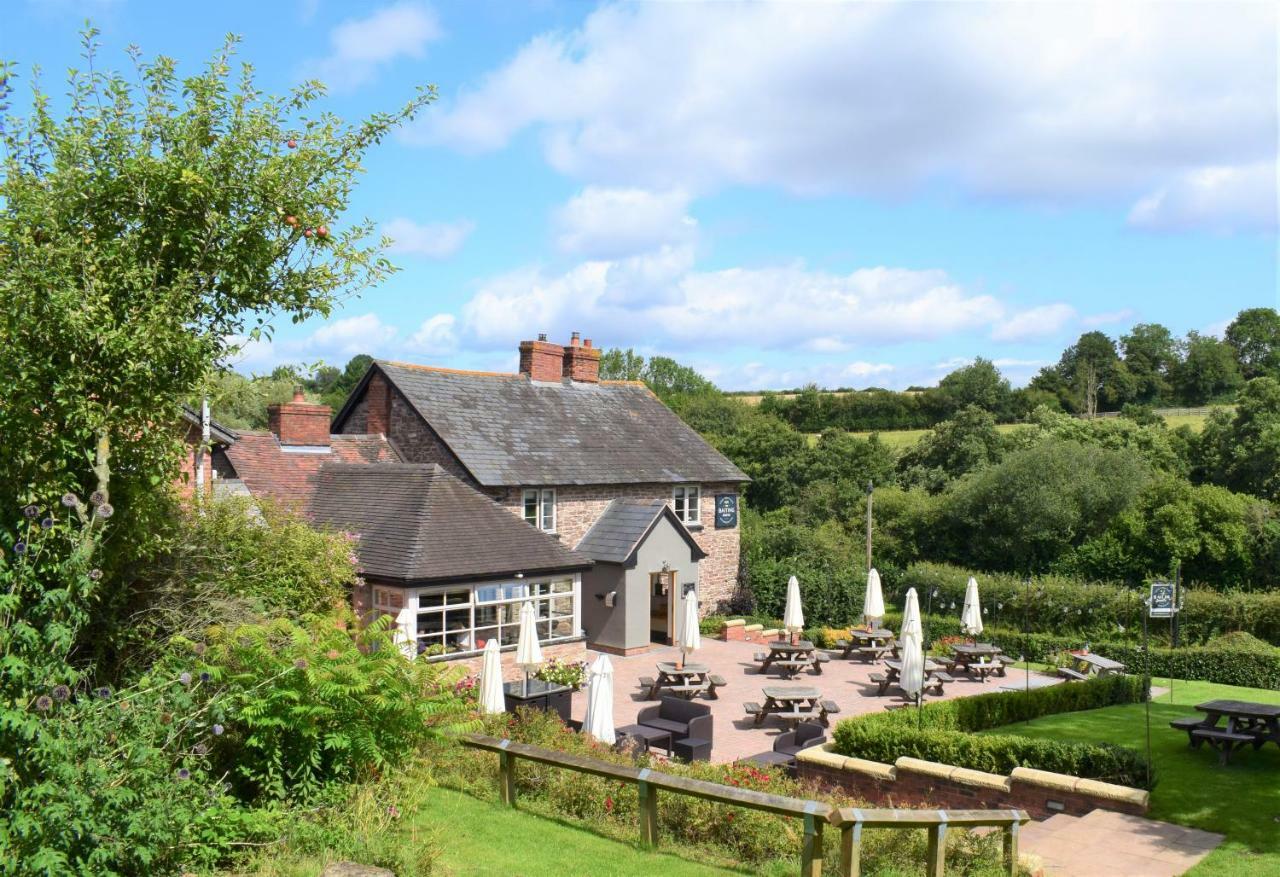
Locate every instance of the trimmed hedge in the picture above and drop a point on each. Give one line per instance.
(944, 732)
(1060, 605)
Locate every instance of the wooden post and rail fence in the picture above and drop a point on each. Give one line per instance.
(815, 815)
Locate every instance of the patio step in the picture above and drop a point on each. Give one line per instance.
(1103, 844)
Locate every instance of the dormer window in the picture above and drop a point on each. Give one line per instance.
(540, 508)
(688, 501)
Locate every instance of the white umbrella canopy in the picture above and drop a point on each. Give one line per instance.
(873, 599)
(690, 630)
(528, 652)
(598, 721)
(491, 696)
(911, 677)
(793, 614)
(971, 617)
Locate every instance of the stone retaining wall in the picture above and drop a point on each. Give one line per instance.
(737, 630)
(911, 782)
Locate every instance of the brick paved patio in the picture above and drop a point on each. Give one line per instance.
(845, 682)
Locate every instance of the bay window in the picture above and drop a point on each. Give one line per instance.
(462, 618)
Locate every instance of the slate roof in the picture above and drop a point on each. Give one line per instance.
(510, 431)
(417, 523)
(618, 533)
(217, 432)
(268, 469)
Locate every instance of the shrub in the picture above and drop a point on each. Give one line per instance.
(945, 732)
(322, 701)
(234, 561)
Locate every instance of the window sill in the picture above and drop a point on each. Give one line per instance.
(692, 528)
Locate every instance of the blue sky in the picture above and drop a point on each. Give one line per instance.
(860, 194)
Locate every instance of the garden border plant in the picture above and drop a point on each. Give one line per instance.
(944, 732)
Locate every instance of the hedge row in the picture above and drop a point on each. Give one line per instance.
(945, 732)
(1059, 605)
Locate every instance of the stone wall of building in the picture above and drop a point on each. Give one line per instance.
(579, 507)
(418, 443)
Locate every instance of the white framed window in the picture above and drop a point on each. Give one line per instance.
(540, 508)
(688, 503)
(460, 619)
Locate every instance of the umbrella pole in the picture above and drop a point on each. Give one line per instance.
(526, 682)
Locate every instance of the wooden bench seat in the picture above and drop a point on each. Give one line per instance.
(1073, 675)
(752, 708)
(942, 676)
(1188, 723)
(714, 681)
(828, 708)
(882, 681)
(1224, 741)
(649, 686)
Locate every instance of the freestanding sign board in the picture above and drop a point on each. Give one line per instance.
(1162, 604)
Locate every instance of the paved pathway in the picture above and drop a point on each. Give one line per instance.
(1106, 844)
(845, 682)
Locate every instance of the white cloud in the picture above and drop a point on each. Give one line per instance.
(434, 240)
(1037, 322)
(1106, 318)
(1223, 198)
(659, 299)
(436, 336)
(763, 376)
(608, 223)
(360, 47)
(1046, 101)
(343, 339)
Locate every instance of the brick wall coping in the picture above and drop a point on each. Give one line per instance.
(736, 622)
(825, 757)
(753, 627)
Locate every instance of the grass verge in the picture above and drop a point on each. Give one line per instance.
(1240, 801)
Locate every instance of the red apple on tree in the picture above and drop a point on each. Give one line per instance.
(307, 233)
(291, 220)
(323, 231)
(292, 144)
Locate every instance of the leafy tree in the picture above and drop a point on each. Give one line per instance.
(1255, 336)
(141, 233)
(1094, 373)
(1039, 503)
(774, 456)
(1240, 449)
(1208, 371)
(953, 448)
(1151, 358)
(238, 402)
(1152, 441)
(979, 383)
(621, 365)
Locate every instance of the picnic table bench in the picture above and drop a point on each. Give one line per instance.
(984, 658)
(865, 643)
(792, 704)
(934, 677)
(683, 681)
(1247, 724)
(791, 658)
(1087, 665)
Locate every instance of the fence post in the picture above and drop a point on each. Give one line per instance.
(811, 852)
(937, 855)
(1011, 846)
(851, 847)
(648, 812)
(507, 776)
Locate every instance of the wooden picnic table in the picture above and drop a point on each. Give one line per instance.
(683, 681)
(793, 704)
(935, 676)
(983, 657)
(1247, 723)
(868, 643)
(791, 658)
(1102, 666)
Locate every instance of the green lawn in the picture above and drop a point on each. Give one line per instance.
(1241, 801)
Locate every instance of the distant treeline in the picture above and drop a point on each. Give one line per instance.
(1146, 367)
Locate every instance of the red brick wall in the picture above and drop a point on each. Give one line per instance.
(582, 363)
(376, 407)
(912, 789)
(574, 651)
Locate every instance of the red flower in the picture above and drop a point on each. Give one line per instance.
(608, 804)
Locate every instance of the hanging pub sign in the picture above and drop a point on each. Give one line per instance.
(1161, 603)
(726, 511)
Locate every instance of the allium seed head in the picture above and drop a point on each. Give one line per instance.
(105, 510)
(61, 692)
(70, 500)
(44, 703)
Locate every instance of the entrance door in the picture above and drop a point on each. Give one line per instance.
(662, 590)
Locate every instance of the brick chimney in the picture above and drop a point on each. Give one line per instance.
(581, 361)
(541, 360)
(300, 422)
(377, 399)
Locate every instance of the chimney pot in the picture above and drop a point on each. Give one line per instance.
(586, 342)
(575, 339)
(542, 336)
(581, 361)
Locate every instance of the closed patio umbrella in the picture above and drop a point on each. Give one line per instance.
(528, 652)
(873, 600)
(911, 677)
(690, 631)
(971, 617)
(598, 721)
(793, 614)
(491, 697)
